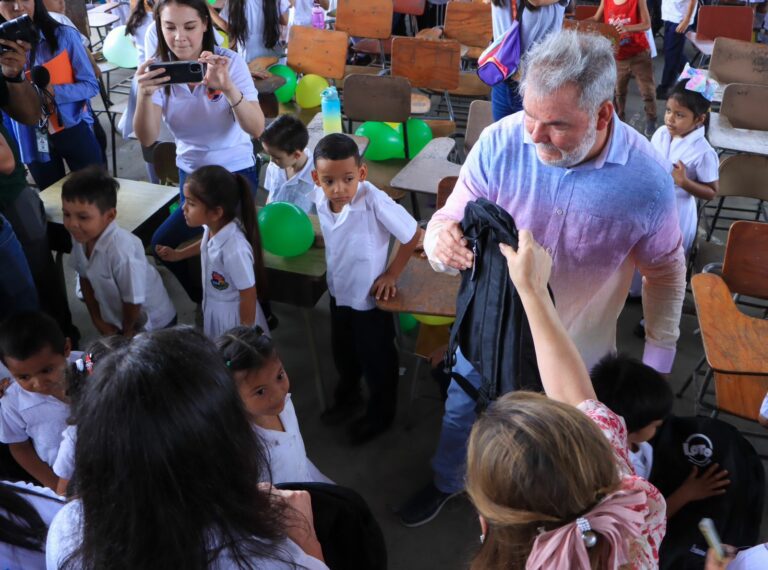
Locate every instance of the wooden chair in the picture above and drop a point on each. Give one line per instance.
(736, 61)
(432, 65)
(714, 22)
(444, 190)
(408, 8)
(369, 19)
(470, 25)
(385, 99)
(734, 343)
(480, 116)
(744, 176)
(164, 160)
(745, 106)
(323, 52)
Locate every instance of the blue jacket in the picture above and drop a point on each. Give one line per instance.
(72, 100)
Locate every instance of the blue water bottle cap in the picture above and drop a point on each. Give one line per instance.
(330, 92)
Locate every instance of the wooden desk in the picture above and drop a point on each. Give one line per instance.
(315, 128)
(106, 7)
(723, 135)
(301, 281)
(424, 172)
(141, 208)
(703, 45)
(424, 291)
(100, 21)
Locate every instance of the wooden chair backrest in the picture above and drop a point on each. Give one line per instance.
(585, 11)
(745, 267)
(744, 175)
(410, 7)
(746, 106)
(377, 98)
(444, 189)
(164, 161)
(590, 27)
(733, 22)
(469, 24)
(480, 116)
(736, 61)
(323, 52)
(369, 19)
(427, 64)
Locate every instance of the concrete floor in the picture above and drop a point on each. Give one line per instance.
(389, 469)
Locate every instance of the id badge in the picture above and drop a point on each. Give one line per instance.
(41, 140)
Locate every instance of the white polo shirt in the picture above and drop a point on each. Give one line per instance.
(674, 10)
(204, 125)
(357, 242)
(28, 415)
(299, 189)
(64, 466)
(120, 273)
(253, 46)
(47, 504)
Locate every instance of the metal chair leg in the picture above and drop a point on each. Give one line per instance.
(691, 378)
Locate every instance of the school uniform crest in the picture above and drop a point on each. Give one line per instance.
(218, 282)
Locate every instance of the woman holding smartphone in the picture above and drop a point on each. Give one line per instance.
(212, 122)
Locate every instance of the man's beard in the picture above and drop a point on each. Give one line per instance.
(574, 157)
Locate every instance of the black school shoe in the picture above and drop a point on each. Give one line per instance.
(424, 506)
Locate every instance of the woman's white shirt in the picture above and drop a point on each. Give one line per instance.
(204, 125)
(65, 535)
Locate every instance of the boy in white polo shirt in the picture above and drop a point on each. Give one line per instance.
(123, 292)
(357, 219)
(678, 15)
(289, 174)
(34, 409)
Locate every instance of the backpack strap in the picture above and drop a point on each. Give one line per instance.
(466, 385)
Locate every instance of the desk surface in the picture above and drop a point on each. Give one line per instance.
(311, 263)
(101, 19)
(424, 172)
(315, 128)
(136, 202)
(722, 135)
(423, 291)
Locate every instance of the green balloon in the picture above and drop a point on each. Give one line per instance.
(285, 229)
(119, 50)
(419, 134)
(284, 93)
(407, 322)
(384, 142)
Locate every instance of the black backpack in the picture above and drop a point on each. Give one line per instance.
(491, 327)
(683, 442)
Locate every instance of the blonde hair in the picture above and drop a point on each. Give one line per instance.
(534, 463)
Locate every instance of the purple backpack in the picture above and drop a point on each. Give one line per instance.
(501, 59)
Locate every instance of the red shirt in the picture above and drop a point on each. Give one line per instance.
(628, 14)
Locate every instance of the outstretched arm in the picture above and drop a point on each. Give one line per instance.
(563, 373)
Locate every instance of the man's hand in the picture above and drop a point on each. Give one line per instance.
(12, 60)
(530, 266)
(385, 287)
(711, 483)
(451, 247)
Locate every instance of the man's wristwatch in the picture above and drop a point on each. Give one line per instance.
(18, 79)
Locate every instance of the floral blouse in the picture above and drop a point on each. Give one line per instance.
(645, 551)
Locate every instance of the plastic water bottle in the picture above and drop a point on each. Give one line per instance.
(331, 107)
(318, 16)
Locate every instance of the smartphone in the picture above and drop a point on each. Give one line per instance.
(181, 71)
(707, 528)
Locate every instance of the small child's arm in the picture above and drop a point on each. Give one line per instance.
(169, 254)
(26, 456)
(131, 314)
(696, 488)
(598, 16)
(705, 191)
(248, 306)
(61, 486)
(101, 325)
(385, 286)
(645, 19)
(682, 26)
